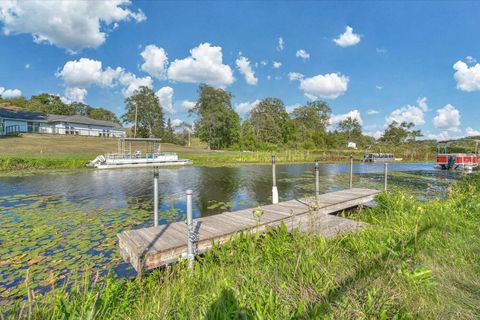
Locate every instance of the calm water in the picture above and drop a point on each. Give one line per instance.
(55, 223)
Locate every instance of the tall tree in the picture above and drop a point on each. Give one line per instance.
(218, 124)
(270, 121)
(314, 116)
(145, 107)
(352, 128)
(403, 132)
(168, 133)
(48, 103)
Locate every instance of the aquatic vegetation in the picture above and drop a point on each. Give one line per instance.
(416, 260)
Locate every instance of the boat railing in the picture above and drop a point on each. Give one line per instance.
(116, 156)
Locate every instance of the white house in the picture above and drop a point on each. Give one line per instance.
(14, 121)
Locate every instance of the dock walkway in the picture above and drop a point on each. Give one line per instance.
(153, 247)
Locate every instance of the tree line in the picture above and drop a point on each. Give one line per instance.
(268, 125)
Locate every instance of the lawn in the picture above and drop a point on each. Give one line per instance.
(416, 260)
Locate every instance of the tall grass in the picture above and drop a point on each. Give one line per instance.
(416, 260)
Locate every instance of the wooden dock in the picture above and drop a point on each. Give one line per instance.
(153, 247)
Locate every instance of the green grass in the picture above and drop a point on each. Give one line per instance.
(416, 260)
(30, 152)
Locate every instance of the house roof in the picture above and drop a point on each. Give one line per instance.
(43, 117)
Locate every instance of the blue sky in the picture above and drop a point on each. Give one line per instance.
(413, 61)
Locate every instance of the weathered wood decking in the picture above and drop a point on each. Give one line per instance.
(153, 247)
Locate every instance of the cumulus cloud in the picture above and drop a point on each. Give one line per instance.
(468, 78)
(243, 65)
(372, 112)
(407, 113)
(85, 72)
(276, 64)
(165, 96)
(10, 93)
(176, 123)
(156, 61)
(447, 118)
(422, 103)
(302, 54)
(329, 86)
(348, 38)
(376, 134)
(187, 104)
(292, 107)
(354, 114)
(203, 66)
(443, 135)
(245, 107)
(132, 83)
(281, 44)
(71, 25)
(75, 94)
(378, 87)
(470, 132)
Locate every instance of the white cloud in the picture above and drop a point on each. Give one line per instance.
(372, 112)
(348, 38)
(187, 104)
(203, 66)
(302, 54)
(276, 64)
(447, 118)
(443, 135)
(243, 65)
(471, 132)
(75, 94)
(132, 83)
(408, 113)
(381, 50)
(329, 86)
(27, 66)
(165, 96)
(264, 63)
(422, 103)
(471, 59)
(378, 87)
(72, 25)
(10, 93)
(295, 76)
(468, 78)
(245, 107)
(85, 72)
(176, 123)
(281, 44)
(156, 61)
(354, 114)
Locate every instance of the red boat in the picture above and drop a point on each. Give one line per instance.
(447, 160)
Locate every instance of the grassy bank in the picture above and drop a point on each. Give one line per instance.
(417, 260)
(31, 152)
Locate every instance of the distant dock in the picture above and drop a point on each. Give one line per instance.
(154, 247)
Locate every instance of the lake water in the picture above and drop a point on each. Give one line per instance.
(54, 223)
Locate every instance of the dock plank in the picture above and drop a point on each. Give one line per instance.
(153, 247)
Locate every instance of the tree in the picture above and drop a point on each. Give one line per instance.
(218, 124)
(169, 133)
(310, 123)
(397, 133)
(270, 121)
(101, 114)
(146, 106)
(48, 103)
(351, 128)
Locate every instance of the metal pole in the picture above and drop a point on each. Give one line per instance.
(136, 111)
(386, 175)
(190, 254)
(274, 182)
(351, 171)
(155, 197)
(317, 180)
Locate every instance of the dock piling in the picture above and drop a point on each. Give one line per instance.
(274, 182)
(155, 196)
(190, 235)
(385, 169)
(351, 171)
(317, 180)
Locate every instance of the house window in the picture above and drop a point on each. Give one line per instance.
(33, 127)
